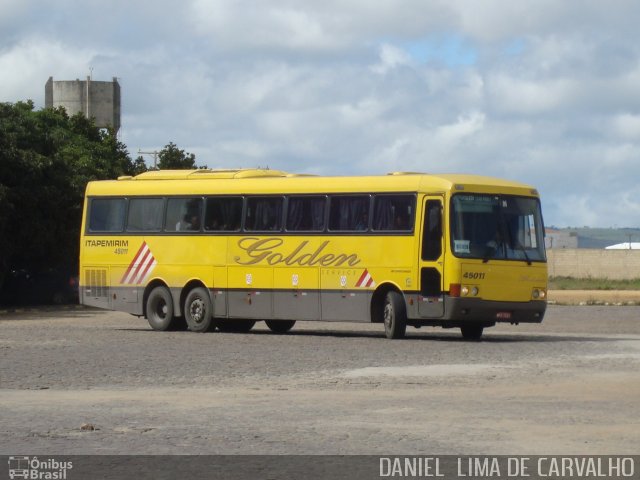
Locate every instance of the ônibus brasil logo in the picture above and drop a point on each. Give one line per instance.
(34, 468)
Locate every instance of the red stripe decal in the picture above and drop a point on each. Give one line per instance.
(362, 277)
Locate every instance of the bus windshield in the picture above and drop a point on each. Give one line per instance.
(501, 227)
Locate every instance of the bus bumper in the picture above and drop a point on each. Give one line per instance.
(466, 310)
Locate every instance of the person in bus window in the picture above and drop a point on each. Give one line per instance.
(194, 223)
(183, 224)
(188, 222)
(401, 222)
(363, 222)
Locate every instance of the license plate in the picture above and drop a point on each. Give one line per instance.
(503, 315)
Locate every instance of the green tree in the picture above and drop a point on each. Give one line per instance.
(139, 166)
(173, 158)
(46, 160)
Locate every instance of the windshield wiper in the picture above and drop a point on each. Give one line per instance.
(489, 253)
(509, 236)
(524, 251)
(519, 246)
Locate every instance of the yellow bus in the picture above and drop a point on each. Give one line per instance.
(226, 248)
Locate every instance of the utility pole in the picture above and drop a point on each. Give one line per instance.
(155, 157)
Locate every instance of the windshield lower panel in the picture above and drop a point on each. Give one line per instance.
(501, 227)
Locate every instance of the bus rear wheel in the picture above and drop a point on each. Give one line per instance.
(472, 332)
(198, 311)
(160, 309)
(237, 325)
(394, 314)
(280, 326)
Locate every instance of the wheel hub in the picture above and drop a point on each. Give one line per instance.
(197, 310)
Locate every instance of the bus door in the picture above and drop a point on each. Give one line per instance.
(431, 265)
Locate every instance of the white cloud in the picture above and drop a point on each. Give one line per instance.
(27, 65)
(245, 24)
(9, 10)
(627, 126)
(496, 20)
(440, 148)
(390, 58)
(464, 126)
(511, 95)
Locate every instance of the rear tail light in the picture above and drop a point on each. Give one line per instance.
(454, 290)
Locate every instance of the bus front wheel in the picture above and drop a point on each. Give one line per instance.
(471, 332)
(394, 314)
(280, 326)
(198, 311)
(160, 309)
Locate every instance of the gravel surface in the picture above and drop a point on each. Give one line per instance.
(570, 385)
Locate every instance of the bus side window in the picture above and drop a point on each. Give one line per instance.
(306, 214)
(432, 231)
(107, 214)
(183, 215)
(264, 214)
(349, 213)
(145, 214)
(223, 214)
(393, 212)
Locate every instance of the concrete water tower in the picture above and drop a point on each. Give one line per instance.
(100, 100)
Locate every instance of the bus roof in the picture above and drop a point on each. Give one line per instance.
(265, 181)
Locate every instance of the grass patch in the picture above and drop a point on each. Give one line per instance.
(570, 283)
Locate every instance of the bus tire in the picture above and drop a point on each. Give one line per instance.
(160, 309)
(394, 314)
(198, 310)
(236, 325)
(471, 332)
(280, 326)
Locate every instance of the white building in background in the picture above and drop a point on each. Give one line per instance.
(624, 246)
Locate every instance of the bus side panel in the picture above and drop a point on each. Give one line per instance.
(302, 300)
(339, 301)
(127, 299)
(219, 292)
(250, 292)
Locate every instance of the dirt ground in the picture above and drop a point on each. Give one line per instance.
(567, 386)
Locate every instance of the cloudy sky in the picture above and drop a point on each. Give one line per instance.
(545, 92)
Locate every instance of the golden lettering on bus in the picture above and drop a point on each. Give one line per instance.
(269, 250)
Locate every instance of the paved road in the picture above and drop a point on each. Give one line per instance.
(568, 386)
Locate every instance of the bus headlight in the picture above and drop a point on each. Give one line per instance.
(466, 290)
(538, 294)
